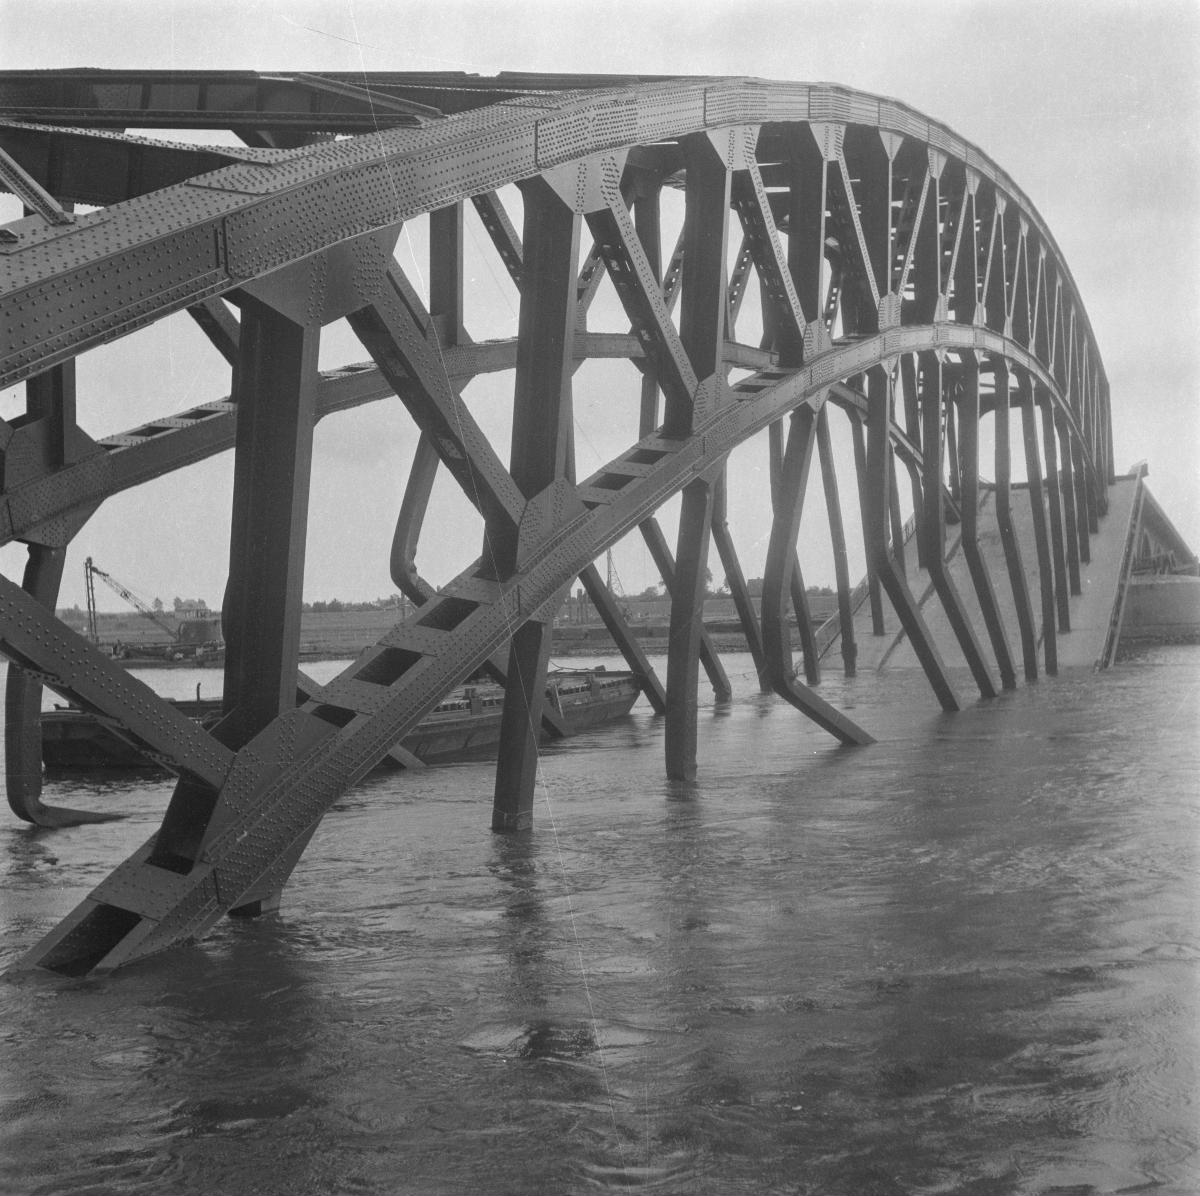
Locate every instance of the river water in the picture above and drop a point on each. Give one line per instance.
(962, 960)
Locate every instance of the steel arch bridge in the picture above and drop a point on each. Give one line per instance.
(908, 288)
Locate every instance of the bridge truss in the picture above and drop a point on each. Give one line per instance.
(907, 288)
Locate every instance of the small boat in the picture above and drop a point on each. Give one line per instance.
(464, 726)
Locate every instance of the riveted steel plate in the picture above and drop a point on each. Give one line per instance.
(670, 112)
(741, 102)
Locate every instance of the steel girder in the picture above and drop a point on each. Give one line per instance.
(905, 282)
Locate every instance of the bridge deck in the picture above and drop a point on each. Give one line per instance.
(1091, 610)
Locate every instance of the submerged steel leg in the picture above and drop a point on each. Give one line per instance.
(687, 623)
(540, 457)
(912, 426)
(1085, 503)
(23, 710)
(524, 696)
(703, 308)
(880, 492)
(614, 621)
(781, 552)
(50, 420)
(1070, 519)
(860, 468)
(1008, 533)
(933, 523)
(810, 654)
(275, 386)
(664, 562)
(736, 580)
(275, 382)
(1062, 590)
(952, 455)
(899, 556)
(969, 505)
(837, 535)
(1037, 502)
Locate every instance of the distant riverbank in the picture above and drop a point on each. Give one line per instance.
(1163, 610)
(337, 635)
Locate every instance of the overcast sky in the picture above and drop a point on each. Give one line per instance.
(1093, 108)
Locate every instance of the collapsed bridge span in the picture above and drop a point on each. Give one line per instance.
(844, 266)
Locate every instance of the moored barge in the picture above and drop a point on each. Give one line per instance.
(464, 726)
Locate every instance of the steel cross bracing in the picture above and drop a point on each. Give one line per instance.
(907, 290)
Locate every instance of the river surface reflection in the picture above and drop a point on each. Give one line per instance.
(963, 960)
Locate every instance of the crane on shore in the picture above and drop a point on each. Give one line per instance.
(186, 640)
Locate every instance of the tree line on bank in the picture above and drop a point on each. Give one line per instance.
(398, 602)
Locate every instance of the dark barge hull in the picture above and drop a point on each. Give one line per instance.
(464, 727)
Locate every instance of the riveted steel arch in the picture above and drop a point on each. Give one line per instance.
(907, 289)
